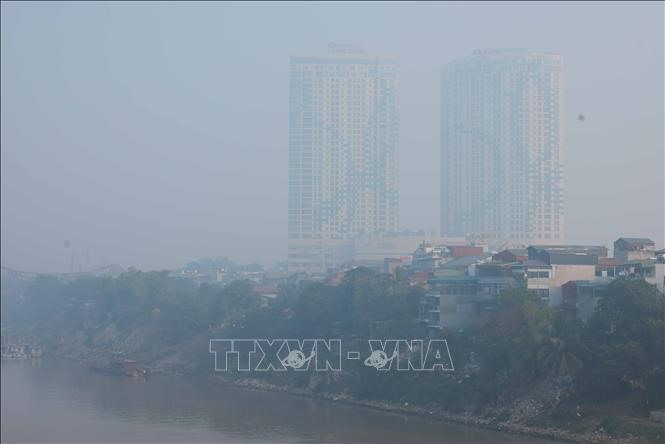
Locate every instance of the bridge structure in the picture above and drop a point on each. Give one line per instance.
(11, 275)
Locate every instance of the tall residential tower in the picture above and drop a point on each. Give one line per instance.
(342, 154)
(502, 147)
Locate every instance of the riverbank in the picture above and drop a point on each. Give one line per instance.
(467, 419)
(43, 399)
(176, 366)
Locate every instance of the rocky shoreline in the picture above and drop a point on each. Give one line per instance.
(169, 366)
(467, 419)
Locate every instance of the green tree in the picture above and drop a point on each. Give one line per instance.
(627, 335)
(560, 353)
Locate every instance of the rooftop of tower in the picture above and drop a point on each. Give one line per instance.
(344, 53)
(511, 52)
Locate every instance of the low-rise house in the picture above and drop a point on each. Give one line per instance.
(511, 255)
(462, 265)
(631, 249)
(660, 256)
(267, 293)
(637, 257)
(583, 254)
(463, 291)
(495, 268)
(650, 270)
(430, 311)
(659, 270)
(634, 257)
(568, 263)
(607, 267)
(374, 249)
(466, 301)
(430, 257)
(466, 250)
(581, 297)
(419, 278)
(536, 276)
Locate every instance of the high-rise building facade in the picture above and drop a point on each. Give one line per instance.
(343, 139)
(502, 147)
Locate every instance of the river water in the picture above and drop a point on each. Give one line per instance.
(53, 400)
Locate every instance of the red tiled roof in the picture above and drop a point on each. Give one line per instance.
(608, 261)
(419, 278)
(265, 289)
(464, 250)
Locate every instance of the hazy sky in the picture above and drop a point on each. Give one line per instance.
(152, 134)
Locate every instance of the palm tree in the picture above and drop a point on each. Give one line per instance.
(560, 351)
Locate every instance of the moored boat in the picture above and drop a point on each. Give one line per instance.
(124, 367)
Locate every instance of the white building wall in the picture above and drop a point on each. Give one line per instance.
(502, 147)
(343, 139)
(563, 273)
(659, 277)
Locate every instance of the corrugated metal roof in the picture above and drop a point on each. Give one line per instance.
(596, 283)
(572, 259)
(636, 240)
(464, 261)
(531, 263)
(598, 250)
(498, 280)
(517, 251)
(459, 278)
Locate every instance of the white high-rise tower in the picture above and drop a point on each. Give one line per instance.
(502, 147)
(342, 154)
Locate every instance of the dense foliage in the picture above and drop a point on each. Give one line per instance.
(618, 354)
